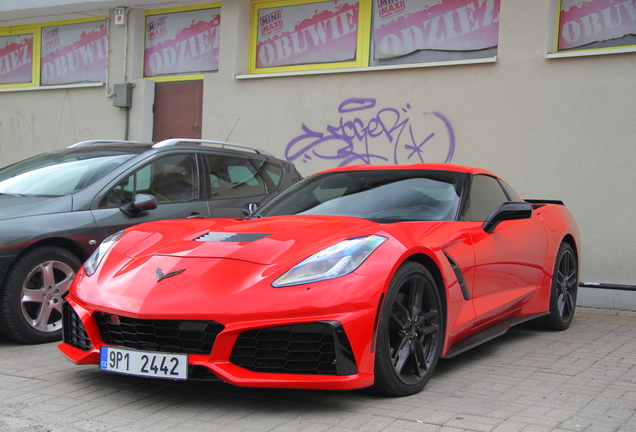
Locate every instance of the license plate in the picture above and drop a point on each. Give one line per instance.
(142, 363)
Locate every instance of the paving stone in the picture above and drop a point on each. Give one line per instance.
(529, 380)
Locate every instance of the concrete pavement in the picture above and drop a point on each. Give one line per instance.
(582, 379)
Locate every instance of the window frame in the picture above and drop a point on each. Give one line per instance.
(35, 55)
(165, 11)
(578, 52)
(363, 52)
(362, 41)
(36, 61)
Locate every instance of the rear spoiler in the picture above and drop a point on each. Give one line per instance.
(536, 203)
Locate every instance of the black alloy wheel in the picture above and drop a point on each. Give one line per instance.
(565, 282)
(410, 332)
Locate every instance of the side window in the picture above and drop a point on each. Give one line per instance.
(485, 196)
(171, 179)
(514, 197)
(233, 177)
(274, 172)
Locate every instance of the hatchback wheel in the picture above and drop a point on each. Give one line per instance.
(31, 296)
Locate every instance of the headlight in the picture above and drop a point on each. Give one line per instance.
(91, 264)
(332, 262)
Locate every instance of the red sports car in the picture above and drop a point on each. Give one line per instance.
(354, 277)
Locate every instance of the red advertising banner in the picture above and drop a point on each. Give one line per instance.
(404, 26)
(74, 53)
(324, 32)
(583, 22)
(16, 59)
(182, 42)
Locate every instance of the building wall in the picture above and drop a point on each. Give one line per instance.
(559, 128)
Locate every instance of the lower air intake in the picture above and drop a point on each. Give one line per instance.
(173, 336)
(319, 348)
(74, 332)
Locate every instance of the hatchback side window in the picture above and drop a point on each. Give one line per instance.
(274, 172)
(171, 179)
(233, 177)
(485, 196)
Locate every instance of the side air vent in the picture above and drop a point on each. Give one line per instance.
(459, 275)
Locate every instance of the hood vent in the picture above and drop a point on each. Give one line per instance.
(230, 237)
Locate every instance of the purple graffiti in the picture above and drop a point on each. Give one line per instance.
(383, 135)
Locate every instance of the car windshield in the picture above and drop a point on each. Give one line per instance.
(60, 173)
(382, 195)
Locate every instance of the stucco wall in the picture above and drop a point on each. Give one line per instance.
(553, 128)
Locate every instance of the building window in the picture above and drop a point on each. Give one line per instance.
(595, 24)
(415, 31)
(54, 53)
(335, 34)
(73, 53)
(323, 33)
(182, 42)
(16, 59)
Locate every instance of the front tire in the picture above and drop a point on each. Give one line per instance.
(31, 296)
(410, 332)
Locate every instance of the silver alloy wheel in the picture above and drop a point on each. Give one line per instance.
(41, 295)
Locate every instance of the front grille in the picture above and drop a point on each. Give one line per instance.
(175, 336)
(74, 332)
(294, 349)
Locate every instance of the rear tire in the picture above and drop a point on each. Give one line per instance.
(565, 282)
(31, 296)
(410, 332)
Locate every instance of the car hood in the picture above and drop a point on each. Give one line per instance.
(19, 206)
(200, 267)
(260, 241)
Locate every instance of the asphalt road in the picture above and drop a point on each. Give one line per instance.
(530, 380)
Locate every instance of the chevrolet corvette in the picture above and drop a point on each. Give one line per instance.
(354, 277)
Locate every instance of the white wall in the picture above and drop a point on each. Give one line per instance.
(553, 128)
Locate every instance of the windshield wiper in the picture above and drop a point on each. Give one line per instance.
(12, 194)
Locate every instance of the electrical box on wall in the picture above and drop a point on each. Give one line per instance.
(122, 97)
(120, 16)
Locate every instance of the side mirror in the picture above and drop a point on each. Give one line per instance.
(507, 211)
(249, 209)
(142, 202)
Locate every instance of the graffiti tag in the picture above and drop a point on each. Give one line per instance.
(365, 134)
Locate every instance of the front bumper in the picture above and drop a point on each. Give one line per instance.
(304, 351)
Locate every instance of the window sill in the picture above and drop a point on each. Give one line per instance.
(368, 69)
(586, 53)
(53, 87)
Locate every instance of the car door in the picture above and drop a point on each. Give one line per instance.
(232, 182)
(173, 179)
(509, 261)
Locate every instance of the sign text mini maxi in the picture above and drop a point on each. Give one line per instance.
(16, 59)
(74, 53)
(182, 43)
(405, 26)
(307, 33)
